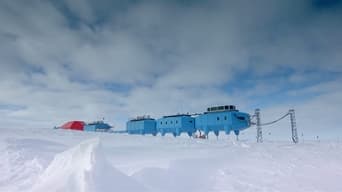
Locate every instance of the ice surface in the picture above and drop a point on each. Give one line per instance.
(58, 160)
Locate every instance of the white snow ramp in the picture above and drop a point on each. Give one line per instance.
(84, 168)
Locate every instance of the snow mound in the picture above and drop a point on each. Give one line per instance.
(84, 168)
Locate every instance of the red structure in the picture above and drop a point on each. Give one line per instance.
(74, 125)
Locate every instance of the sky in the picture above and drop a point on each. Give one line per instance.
(88, 60)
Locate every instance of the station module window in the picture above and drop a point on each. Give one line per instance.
(241, 118)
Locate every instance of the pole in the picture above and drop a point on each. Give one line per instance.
(258, 123)
(293, 126)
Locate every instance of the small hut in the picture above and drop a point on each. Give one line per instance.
(74, 125)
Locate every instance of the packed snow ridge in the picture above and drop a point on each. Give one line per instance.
(84, 168)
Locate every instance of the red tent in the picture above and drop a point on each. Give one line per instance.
(74, 125)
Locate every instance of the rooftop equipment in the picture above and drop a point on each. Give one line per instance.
(222, 108)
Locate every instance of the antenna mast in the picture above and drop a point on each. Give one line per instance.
(293, 126)
(258, 124)
(291, 113)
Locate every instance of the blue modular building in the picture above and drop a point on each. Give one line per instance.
(222, 118)
(141, 126)
(215, 119)
(176, 124)
(97, 126)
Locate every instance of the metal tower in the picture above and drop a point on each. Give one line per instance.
(258, 124)
(293, 126)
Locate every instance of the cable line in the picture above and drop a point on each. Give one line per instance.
(291, 113)
(269, 123)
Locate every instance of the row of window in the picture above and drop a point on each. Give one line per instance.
(218, 118)
(166, 122)
(225, 118)
(172, 122)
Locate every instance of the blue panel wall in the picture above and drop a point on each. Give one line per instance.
(176, 125)
(216, 119)
(226, 121)
(144, 126)
(89, 128)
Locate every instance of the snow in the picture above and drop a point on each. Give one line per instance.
(84, 168)
(40, 160)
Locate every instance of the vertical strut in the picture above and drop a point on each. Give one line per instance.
(258, 123)
(293, 126)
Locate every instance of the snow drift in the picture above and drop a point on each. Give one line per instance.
(84, 168)
(126, 163)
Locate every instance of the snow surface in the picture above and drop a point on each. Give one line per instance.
(40, 160)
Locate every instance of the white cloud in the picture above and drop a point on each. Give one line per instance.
(170, 57)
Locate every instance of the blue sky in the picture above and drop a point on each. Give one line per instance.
(81, 59)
